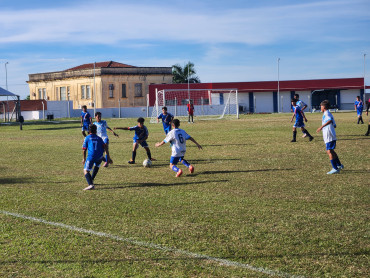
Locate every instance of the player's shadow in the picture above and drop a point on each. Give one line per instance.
(363, 137)
(222, 145)
(57, 128)
(155, 184)
(8, 181)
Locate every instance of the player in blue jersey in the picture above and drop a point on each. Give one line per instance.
(330, 138)
(95, 147)
(299, 117)
(86, 120)
(359, 106)
(301, 105)
(141, 135)
(367, 114)
(177, 137)
(102, 127)
(166, 119)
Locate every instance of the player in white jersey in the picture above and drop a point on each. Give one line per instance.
(330, 138)
(102, 127)
(177, 137)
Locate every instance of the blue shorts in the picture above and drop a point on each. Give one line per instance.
(85, 127)
(331, 145)
(144, 144)
(359, 112)
(106, 140)
(168, 129)
(174, 160)
(90, 163)
(299, 124)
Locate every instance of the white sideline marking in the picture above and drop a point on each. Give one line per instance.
(155, 246)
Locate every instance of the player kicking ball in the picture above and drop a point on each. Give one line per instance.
(177, 137)
(95, 147)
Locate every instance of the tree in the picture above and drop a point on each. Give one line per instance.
(28, 97)
(184, 74)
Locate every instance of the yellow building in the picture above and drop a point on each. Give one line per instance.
(115, 84)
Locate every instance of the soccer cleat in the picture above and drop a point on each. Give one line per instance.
(311, 138)
(293, 140)
(333, 171)
(131, 162)
(153, 159)
(367, 134)
(90, 187)
(341, 166)
(110, 161)
(304, 135)
(179, 173)
(191, 169)
(106, 164)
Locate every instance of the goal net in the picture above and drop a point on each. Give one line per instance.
(208, 103)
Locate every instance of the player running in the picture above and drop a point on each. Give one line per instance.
(102, 127)
(86, 120)
(141, 135)
(299, 116)
(166, 119)
(177, 137)
(95, 147)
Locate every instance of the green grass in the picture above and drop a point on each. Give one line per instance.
(255, 198)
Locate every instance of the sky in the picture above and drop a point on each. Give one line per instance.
(227, 40)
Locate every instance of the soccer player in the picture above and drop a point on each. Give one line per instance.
(86, 120)
(367, 114)
(190, 109)
(328, 131)
(141, 135)
(166, 119)
(102, 127)
(177, 137)
(301, 105)
(95, 148)
(299, 116)
(359, 106)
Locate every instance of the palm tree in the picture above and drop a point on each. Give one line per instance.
(185, 74)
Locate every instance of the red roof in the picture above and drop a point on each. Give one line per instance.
(108, 64)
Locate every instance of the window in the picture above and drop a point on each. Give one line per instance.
(88, 92)
(138, 90)
(83, 94)
(123, 95)
(63, 95)
(42, 93)
(111, 88)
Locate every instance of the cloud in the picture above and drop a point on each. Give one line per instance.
(114, 23)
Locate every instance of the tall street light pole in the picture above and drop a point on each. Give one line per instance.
(364, 72)
(278, 93)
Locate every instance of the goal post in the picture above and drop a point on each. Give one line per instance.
(208, 104)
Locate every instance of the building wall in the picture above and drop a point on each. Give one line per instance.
(103, 84)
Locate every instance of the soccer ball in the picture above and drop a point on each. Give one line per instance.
(147, 163)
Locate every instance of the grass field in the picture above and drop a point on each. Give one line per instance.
(256, 205)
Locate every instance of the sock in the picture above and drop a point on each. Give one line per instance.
(106, 157)
(294, 135)
(95, 171)
(308, 134)
(133, 155)
(337, 161)
(89, 179)
(187, 164)
(175, 168)
(362, 121)
(334, 164)
(358, 120)
(368, 129)
(149, 154)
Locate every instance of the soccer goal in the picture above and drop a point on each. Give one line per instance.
(208, 104)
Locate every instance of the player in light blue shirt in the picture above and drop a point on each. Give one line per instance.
(330, 138)
(178, 137)
(102, 127)
(95, 147)
(140, 137)
(299, 117)
(359, 106)
(86, 120)
(166, 119)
